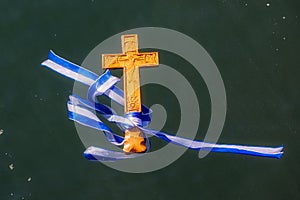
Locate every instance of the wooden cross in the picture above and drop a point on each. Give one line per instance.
(130, 60)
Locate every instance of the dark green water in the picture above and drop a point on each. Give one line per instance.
(255, 47)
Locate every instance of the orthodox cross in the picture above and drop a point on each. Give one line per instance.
(131, 60)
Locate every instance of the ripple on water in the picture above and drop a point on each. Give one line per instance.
(11, 166)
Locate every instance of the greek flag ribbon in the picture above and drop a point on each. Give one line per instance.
(82, 111)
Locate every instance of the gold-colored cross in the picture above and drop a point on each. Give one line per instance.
(130, 60)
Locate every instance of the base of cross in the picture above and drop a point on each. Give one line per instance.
(134, 141)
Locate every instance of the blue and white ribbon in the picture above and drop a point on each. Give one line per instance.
(84, 111)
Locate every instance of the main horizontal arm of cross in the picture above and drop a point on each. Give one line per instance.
(112, 61)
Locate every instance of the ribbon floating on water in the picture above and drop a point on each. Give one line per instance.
(82, 111)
